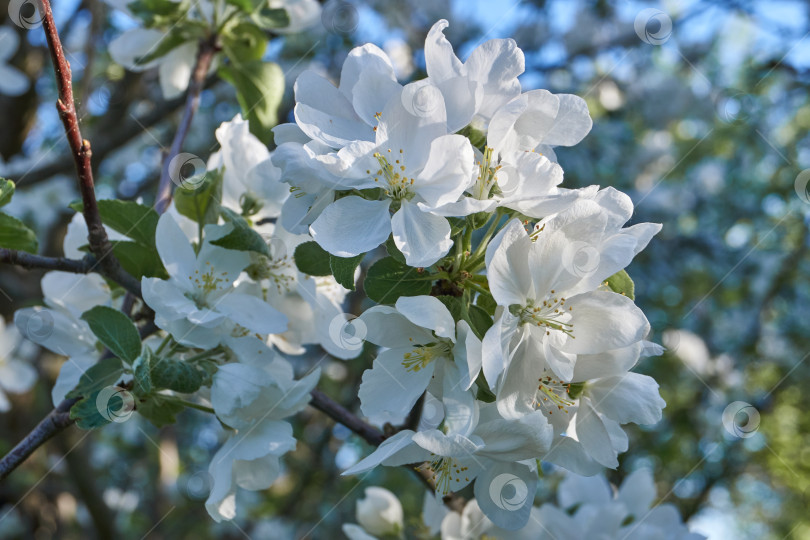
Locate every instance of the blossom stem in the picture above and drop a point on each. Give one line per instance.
(192, 405)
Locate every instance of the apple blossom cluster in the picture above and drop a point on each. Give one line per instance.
(587, 507)
(505, 322)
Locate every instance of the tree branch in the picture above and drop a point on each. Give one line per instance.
(374, 436)
(80, 148)
(76, 266)
(57, 420)
(205, 55)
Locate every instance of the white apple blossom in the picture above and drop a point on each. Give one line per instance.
(253, 398)
(59, 327)
(589, 508)
(408, 163)
(339, 116)
(423, 342)
(250, 180)
(475, 89)
(199, 304)
(379, 514)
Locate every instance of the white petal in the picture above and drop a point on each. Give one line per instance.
(387, 327)
(398, 449)
(324, 113)
(505, 493)
(175, 70)
(440, 60)
(389, 390)
(443, 180)
(572, 123)
(603, 321)
(428, 312)
(593, 435)
(174, 249)
(467, 354)
(253, 313)
(631, 397)
(352, 225)
(422, 237)
(134, 44)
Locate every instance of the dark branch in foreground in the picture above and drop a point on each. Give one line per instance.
(57, 420)
(76, 266)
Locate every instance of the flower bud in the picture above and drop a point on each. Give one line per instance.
(380, 513)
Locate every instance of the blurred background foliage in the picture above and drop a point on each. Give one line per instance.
(707, 130)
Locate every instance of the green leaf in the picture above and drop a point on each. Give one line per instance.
(167, 44)
(6, 191)
(86, 414)
(115, 331)
(487, 303)
(621, 283)
(175, 375)
(142, 381)
(480, 321)
(388, 279)
(14, 234)
(312, 259)
(200, 200)
(259, 89)
(270, 18)
(244, 42)
(456, 225)
(343, 269)
(244, 5)
(241, 237)
(106, 372)
(393, 250)
(131, 219)
(159, 410)
(139, 260)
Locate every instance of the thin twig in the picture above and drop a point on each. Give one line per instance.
(205, 55)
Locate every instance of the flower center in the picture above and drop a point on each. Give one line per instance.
(423, 355)
(551, 314)
(553, 393)
(207, 282)
(399, 186)
(444, 471)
